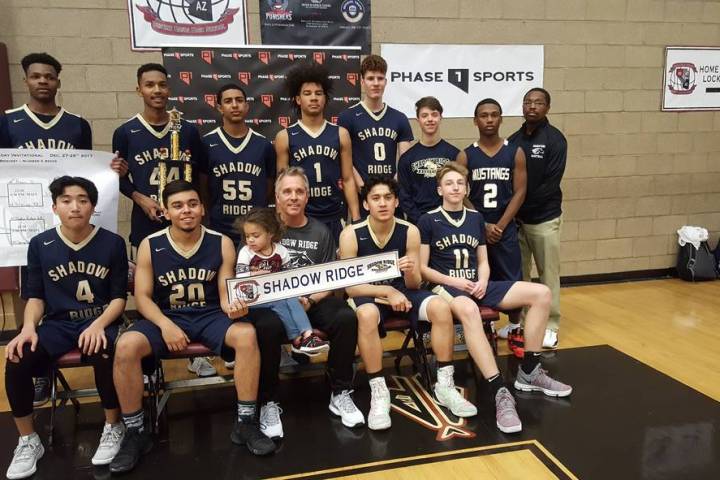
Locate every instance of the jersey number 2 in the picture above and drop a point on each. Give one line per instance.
(490, 196)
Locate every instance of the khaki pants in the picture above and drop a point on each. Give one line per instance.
(542, 242)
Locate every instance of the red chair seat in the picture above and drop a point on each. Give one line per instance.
(393, 323)
(193, 349)
(73, 358)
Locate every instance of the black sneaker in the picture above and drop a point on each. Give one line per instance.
(134, 446)
(42, 391)
(249, 434)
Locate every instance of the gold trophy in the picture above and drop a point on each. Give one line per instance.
(173, 157)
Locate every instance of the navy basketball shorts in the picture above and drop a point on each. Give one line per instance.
(419, 299)
(494, 293)
(504, 256)
(58, 337)
(208, 327)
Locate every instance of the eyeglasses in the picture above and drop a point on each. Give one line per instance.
(537, 103)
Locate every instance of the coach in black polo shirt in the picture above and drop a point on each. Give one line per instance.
(540, 216)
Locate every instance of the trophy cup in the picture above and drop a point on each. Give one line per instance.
(173, 157)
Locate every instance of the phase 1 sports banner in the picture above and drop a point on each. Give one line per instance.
(692, 78)
(187, 23)
(25, 201)
(316, 22)
(299, 282)
(461, 75)
(195, 76)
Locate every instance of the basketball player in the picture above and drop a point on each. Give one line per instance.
(373, 303)
(453, 259)
(498, 182)
(379, 133)
(181, 294)
(321, 148)
(419, 164)
(240, 164)
(76, 283)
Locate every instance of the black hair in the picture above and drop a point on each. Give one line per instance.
(177, 186)
(150, 67)
(307, 73)
(267, 218)
(42, 58)
(487, 101)
(374, 180)
(428, 102)
(226, 87)
(57, 187)
(541, 90)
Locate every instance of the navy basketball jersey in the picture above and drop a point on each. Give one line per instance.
(416, 175)
(491, 179)
(23, 128)
(141, 145)
(375, 137)
(238, 170)
(368, 243)
(453, 238)
(76, 281)
(319, 155)
(186, 282)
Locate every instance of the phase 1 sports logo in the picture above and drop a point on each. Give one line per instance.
(460, 77)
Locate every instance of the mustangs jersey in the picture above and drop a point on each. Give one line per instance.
(186, 281)
(319, 155)
(238, 170)
(491, 179)
(23, 128)
(141, 145)
(76, 281)
(453, 238)
(417, 168)
(375, 137)
(368, 244)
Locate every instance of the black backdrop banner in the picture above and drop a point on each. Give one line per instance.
(195, 75)
(316, 22)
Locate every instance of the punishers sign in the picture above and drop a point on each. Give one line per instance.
(461, 75)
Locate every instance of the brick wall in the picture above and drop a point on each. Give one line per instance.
(634, 174)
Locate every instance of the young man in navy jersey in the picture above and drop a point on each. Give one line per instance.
(181, 293)
(419, 164)
(373, 303)
(379, 133)
(321, 148)
(453, 259)
(76, 283)
(498, 181)
(240, 164)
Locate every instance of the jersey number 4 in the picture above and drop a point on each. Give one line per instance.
(84, 293)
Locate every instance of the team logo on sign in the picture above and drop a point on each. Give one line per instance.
(352, 10)
(682, 78)
(210, 99)
(207, 56)
(248, 290)
(244, 77)
(352, 78)
(381, 266)
(266, 99)
(206, 17)
(319, 57)
(278, 10)
(264, 57)
(186, 77)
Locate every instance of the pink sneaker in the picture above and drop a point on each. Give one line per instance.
(506, 415)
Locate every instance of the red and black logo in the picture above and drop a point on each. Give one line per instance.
(186, 77)
(244, 77)
(352, 78)
(319, 57)
(284, 121)
(210, 99)
(267, 99)
(207, 56)
(264, 57)
(334, 119)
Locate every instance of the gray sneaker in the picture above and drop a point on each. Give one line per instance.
(27, 453)
(539, 381)
(506, 415)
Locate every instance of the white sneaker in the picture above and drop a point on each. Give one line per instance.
(27, 453)
(201, 367)
(550, 340)
(230, 365)
(505, 331)
(343, 406)
(448, 396)
(379, 415)
(270, 423)
(110, 441)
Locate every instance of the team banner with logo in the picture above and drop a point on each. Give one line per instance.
(461, 75)
(25, 201)
(195, 76)
(187, 23)
(692, 78)
(316, 22)
(304, 281)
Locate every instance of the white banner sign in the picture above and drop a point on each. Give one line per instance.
(25, 201)
(461, 75)
(187, 23)
(692, 78)
(304, 281)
